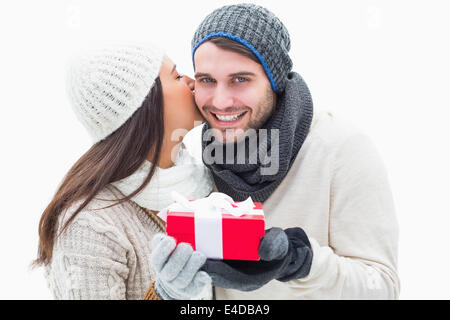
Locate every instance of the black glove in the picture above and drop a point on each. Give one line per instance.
(285, 255)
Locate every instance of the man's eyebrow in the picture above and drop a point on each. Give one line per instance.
(242, 73)
(201, 74)
(236, 74)
(173, 69)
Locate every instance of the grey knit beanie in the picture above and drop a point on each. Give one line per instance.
(259, 30)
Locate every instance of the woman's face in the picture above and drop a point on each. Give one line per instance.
(180, 110)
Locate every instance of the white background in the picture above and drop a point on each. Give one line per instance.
(382, 64)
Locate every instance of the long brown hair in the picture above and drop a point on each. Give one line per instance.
(112, 159)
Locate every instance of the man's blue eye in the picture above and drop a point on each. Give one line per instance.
(241, 79)
(207, 80)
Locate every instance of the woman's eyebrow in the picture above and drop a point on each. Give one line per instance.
(173, 69)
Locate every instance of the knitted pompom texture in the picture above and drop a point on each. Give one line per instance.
(106, 85)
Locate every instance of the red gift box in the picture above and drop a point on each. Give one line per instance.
(240, 235)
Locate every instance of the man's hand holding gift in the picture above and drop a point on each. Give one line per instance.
(285, 255)
(241, 254)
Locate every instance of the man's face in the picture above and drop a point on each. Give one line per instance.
(232, 91)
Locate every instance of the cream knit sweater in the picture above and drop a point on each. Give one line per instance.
(103, 254)
(337, 190)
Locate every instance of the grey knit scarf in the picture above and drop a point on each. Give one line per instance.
(265, 165)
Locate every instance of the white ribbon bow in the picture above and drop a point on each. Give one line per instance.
(213, 205)
(208, 218)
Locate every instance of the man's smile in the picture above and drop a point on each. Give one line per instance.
(228, 119)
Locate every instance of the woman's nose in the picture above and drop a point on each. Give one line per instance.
(189, 82)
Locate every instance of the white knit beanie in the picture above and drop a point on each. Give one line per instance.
(108, 84)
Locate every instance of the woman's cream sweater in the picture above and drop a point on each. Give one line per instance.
(104, 254)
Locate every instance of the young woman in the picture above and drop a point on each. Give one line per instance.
(99, 236)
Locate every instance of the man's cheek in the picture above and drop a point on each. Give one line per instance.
(200, 103)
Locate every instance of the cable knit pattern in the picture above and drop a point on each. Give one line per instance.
(103, 254)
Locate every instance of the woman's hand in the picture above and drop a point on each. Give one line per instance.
(178, 275)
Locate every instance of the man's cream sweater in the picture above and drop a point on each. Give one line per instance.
(337, 190)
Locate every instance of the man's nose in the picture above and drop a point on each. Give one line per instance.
(222, 99)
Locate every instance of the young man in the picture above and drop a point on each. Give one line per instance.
(319, 178)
